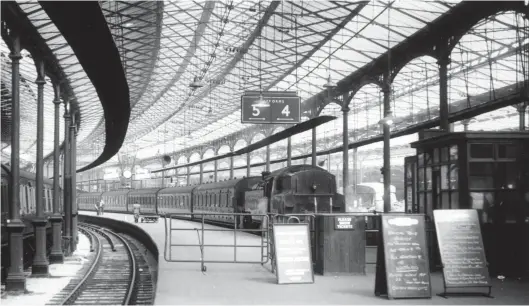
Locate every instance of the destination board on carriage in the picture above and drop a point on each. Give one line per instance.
(275, 107)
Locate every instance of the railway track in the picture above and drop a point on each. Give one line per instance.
(116, 275)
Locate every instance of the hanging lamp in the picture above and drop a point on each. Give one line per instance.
(197, 83)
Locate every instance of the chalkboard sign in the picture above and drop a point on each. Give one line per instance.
(344, 223)
(402, 259)
(293, 254)
(461, 248)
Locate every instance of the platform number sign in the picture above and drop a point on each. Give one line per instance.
(274, 109)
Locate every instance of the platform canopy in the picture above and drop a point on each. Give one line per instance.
(187, 63)
(234, 46)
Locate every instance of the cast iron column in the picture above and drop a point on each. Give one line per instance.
(314, 146)
(231, 167)
(215, 174)
(248, 164)
(355, 169)
(522, 108)
(386, 132)
(40, 262)
(67, 184)
(188, 175)
(289, 152)
(345, 110)
(16, 280)
(465, 123)
(201, 180)
(73, 167)
(267, 158)
(443, 93)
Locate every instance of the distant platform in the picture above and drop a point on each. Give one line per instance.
(248, 284)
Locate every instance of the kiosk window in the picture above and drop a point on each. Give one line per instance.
(506, 151)
(481, 175)
(478, 150)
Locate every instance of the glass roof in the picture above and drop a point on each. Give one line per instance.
(232, 46)
(223, 48)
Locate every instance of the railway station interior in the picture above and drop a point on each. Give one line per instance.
(318, 109)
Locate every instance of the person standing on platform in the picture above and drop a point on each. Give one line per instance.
(101, 207)
(96, 206)
(136, 212)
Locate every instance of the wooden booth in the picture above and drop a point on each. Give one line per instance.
(486, 171)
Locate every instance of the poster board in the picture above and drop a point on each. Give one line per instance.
(461, 248)
(293, 254)
(402, 258)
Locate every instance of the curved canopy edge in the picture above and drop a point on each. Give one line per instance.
(84, 27)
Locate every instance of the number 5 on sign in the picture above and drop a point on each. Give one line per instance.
(255, 111)
(285, 111)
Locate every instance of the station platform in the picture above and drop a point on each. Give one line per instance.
(247, 284)
(40, 291)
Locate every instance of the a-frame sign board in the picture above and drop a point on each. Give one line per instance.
(462, 251)
(402, 270)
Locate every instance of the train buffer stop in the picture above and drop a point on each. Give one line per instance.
(342, 269)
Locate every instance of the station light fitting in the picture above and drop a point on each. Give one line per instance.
(261, 101)
(388, 120)
(329, 83)
(197, 83)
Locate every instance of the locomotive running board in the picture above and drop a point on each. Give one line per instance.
(291, 131)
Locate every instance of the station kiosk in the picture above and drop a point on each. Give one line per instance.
(486, 171)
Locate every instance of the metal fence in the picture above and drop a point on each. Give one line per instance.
(265, 230)
(201, 231)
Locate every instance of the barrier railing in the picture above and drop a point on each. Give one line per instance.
(265, 230)
(202, 217)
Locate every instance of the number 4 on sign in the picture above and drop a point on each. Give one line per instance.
(285, 111)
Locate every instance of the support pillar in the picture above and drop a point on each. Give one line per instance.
(201, 178)
(345, 178)
(66, 187)
(465, 123)
(215, 174)
(386, 132)
(231, 167)
(443, 93)
(355, 169)
(267, 169)
(314, 146)
(289, 152)
(40, 264)
(73, 165)
(522, 108)
(248, 164)
(188, 175)
(16, 280)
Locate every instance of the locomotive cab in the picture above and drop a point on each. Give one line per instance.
(302, 189)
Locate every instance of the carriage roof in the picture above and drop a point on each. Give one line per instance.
(245, 182)
(295, 169)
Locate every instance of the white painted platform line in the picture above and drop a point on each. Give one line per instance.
(42, 290)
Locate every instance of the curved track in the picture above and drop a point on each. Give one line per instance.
(112, 275)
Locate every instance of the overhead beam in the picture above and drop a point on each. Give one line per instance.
(238, 57)
(191, 51)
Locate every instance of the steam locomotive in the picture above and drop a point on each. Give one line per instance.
(295, 189)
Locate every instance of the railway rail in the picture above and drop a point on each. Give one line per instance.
(116, 275)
